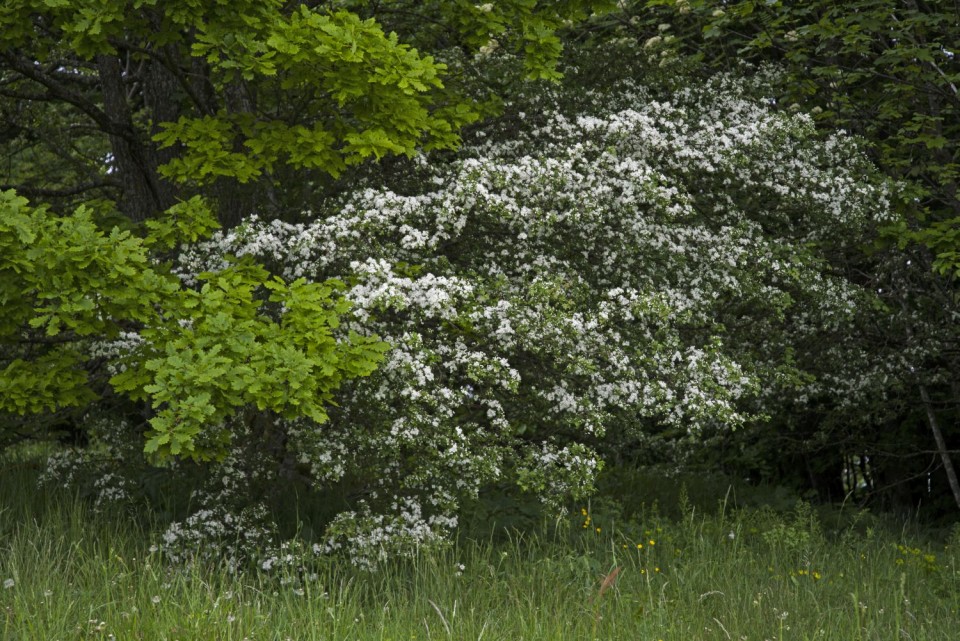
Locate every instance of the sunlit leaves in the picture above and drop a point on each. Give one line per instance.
(205, 353)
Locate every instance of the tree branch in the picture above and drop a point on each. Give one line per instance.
(56, 90)
(26, 190)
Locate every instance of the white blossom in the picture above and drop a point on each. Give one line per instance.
(636, 265)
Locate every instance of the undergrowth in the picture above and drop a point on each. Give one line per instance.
(600, 572)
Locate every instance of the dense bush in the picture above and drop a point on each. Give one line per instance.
(609, 269)
(633, 267)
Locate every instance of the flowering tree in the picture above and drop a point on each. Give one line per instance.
(594, 267)
(607, 269)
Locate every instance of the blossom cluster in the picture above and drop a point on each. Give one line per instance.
(626, 265)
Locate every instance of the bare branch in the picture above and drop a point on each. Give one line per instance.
(26, 190)
(57, 90)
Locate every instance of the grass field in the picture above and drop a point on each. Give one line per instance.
(714, 572)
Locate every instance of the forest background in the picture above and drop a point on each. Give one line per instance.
(350, 276)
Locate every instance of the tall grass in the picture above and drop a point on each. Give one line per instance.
(718, 573)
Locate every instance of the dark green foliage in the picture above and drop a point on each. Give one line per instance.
(883, 69)
(888, 72)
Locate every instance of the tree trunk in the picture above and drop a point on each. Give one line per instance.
(941, 443)
(144, 195)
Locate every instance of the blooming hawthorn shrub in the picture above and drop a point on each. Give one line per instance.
(94, 472)
(612, 265)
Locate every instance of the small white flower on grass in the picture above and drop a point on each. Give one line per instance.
(8, 583)
(155, 599)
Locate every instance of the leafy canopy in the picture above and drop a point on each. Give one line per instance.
(199, 97)
(74, 295)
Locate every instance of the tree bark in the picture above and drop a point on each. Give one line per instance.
(941, 443)
(144, 194)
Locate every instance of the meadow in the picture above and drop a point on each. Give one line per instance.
(641, 567)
